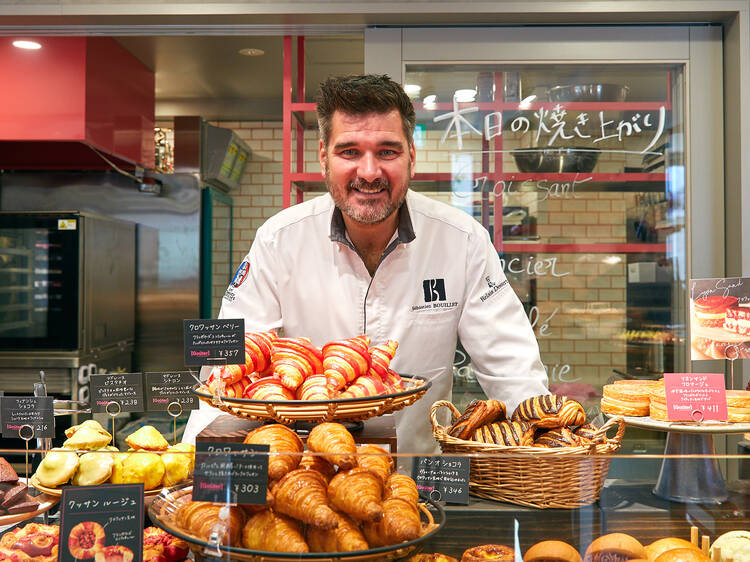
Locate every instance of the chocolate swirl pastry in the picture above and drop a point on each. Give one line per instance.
(506, 432)
(550, 410)
(588, 431)
(477, 414)
(559, 437)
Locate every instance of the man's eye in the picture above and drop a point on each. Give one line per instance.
(388, 153)
(349, 152)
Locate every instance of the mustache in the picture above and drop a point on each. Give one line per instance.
(379, 183)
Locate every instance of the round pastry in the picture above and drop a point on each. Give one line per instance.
(57, 467)
(552, 551)
(143, 467)
(86, 539)
(734, 545)
(615, 547)
(114, 553)
(493, 552)
(656, 548)
(550, 410)
(683, 555)
(436, 557)
(738, 406)
(91, 424)
(35, 541)
(93, 468)
(626, 399)
(147, 438)
(710, 312)
(178, 463)
(86, 438)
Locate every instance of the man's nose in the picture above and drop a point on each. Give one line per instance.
(369, 167)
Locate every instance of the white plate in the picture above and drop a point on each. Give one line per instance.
(646, 422)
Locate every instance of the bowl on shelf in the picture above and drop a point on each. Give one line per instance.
(555, 160)
(588, 92)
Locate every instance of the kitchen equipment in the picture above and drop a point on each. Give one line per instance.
(588, 92)
(555, 160)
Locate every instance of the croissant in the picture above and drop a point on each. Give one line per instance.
(509, 433)
(302, 494)
(346, 537)
(345, 360)
(366, 385)
(268, 388)
(401, 522)
(381, 357)
(477, 414)
(273, 532)
(258, 347)
(357, 492)
(199, 519)
(295, 359)
(393, 381)
(402, 487)
(280, 439)
(336, 444)
(318, 463)
(230, 374)
(550, 410)
(375, 459)
(314, 387)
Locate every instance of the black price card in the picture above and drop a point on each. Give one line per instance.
(230, 473)
(215, 339)
(124, 389)
(442, 478)
(104, 520)
(163, 389)
(36, 411)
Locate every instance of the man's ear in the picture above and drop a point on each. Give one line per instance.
(322, 156)
(413, 157)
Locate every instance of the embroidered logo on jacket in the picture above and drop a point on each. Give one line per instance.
(241, 274)
(494, 288)
(434, 290)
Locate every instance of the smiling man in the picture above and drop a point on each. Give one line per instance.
(374, 257)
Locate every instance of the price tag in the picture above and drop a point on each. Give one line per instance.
(124, 388)
(442, 478)
(215, 339)
(111, 513)
(695, 396)
(230, 473)
(162, 389)
(36, 411)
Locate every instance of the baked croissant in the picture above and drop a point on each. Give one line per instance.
(318, 463)
(273, 532)
(477, 414)
(199, 519)
(560, 437)
(345, 360)
(314, 387)
(509, 433)
(375, 459)
(230, 374)
(402, 487)
(295, 359)
(550, 410)
(346, 537)
(336, 444)
(357, 492)
(302, 494)
(280, 439)
(401, 522)
(258, 347)
(268, 388)
(381, 357)
(366, 385)
(393, 381)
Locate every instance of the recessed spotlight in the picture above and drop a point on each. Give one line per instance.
(430, 101)
(465, 95)
(412, 90)
(252, 52)
(24, 44)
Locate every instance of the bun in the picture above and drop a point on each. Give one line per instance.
(552, 551)
(683, 555)
(615, 543)
(477, 414)
(656, 548)
(550, 410)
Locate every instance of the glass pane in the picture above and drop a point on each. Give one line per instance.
(578, 173)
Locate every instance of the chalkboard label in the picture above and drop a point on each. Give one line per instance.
(111, 514)
(163, 389)
(215, 339)
(125, 389)
(442, 478)
(230, 473)
(36, 411)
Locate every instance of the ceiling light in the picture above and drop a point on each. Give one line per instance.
(430, 101)
(465, 95)
(23, 44)
(412, 90)
(252, 52)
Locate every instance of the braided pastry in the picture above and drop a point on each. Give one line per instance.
(477, 414)
(295, 359)
(506, 432)
(550, 410)
(559, 437)
(345, 360)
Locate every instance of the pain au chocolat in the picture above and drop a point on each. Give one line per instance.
(550, 411)
(477, 414)
(506, 432)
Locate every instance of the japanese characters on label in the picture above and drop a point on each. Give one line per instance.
(442, 478)
(215, 339)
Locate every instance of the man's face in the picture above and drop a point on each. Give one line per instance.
(367, 164)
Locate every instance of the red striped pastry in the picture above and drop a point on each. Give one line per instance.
(230, 374)
(393, 381)
(366, 385)
(381, 357)
(295, 359)
(345, 360)
(268, 388)
(314, 387)
(258, 347)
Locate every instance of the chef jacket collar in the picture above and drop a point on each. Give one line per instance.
(404, 232)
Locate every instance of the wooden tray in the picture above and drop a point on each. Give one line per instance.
(163, 509)
(57, 492)
(46, 502)
(318, 411)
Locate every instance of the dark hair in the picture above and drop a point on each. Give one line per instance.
(362, 94)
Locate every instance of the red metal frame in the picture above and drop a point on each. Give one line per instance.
(286, 124)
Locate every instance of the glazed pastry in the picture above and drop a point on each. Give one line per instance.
(559, 437)
(381, 357)
(57, 467)
(280, 439)
(258, 347)
(143, 467)
(268, 388)
(366, 385)
(509, 433)
(400, 522)
(117, 474)
(273, 532)
(93, 468)
(375, 459)
(147, 438)
(336, 444)
(200, 518)
(318, 463)
(114, 553)
(90, 424)
(345, 360)
(477, 414)
(85, 539)
(33, 541)
(588, 431)
(87, 439)
(346, 537)
(178, 463)
(314, 387)
(550, 410)
(302, 494)
(295, 359)
(494, 552)
(358, 493)
(402, 487)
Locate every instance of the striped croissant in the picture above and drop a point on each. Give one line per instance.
(550, 410)
(506, 432)
(381, 357)
(345, 360)
(295, 359)
(258, 346)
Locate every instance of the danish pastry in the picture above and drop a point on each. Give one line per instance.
(477, 414)
(550, 410)
(495, 552)
(509, 433)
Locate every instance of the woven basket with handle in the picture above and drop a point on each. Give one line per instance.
(567, 477)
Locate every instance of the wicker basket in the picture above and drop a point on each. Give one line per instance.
(566, 478)
(319, 411)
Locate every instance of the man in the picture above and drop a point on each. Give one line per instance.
(373, 257)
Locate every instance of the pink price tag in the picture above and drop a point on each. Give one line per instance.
(695, 396)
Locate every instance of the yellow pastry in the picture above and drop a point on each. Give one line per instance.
(178, 463)
(93, 468)
(90, 424)
(117, 470)
(143, 467)
(57, 468)
(147, 438)
(87, 439)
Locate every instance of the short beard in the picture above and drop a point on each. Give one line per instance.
(368, 214)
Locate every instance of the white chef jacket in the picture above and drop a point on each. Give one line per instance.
(440, 277)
